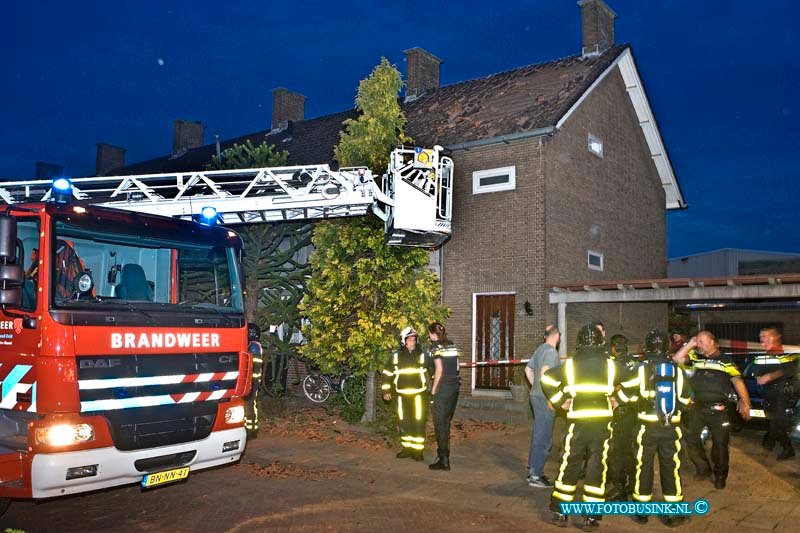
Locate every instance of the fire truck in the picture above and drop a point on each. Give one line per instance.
(124, 340)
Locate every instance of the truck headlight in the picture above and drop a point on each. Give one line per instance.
(64, 434)
(234, 415)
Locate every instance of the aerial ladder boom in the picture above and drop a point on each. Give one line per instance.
(414, 199)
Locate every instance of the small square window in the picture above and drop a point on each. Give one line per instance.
(595, 260)
(595, 145)
(493, 180)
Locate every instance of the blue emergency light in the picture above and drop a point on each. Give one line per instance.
(61, 191)
(208, 216)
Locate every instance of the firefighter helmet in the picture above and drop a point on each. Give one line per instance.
(656, 342)
(619, 343)
(406, 333)
(589, 335)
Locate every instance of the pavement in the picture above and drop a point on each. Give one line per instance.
(342, 478)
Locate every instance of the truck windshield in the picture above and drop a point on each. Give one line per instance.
(142, 271)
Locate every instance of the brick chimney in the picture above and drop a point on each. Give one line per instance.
(109, 157)
(48, 171)
(188, 134)
(422, 72)
(598, 27)
(287, 106)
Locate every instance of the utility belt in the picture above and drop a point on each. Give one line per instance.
(716, 407)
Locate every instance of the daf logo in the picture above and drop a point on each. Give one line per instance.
(226, 358)
(99, 363)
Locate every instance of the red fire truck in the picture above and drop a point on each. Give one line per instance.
(123, 341)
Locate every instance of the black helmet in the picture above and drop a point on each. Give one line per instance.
(589, 335)
(656, 342)
(619, 343)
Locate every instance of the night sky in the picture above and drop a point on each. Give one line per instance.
(721, 76)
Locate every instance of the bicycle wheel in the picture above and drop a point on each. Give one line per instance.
(352, 388)
(316, 387)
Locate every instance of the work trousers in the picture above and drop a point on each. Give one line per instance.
(780, 400)
(411, 410)
(444, 406)
(586, 438)
(621, 462)
(653, 438)
(542, 436)
(719, 426)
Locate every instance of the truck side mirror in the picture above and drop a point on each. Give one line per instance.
(12, 276)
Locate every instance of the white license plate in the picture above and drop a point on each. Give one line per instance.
(757, 413)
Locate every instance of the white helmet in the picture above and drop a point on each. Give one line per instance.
(407, 332)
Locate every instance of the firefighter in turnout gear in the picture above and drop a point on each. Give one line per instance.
(405, 374)
(711, 375)
(251, 401)
(776, 372)
(446, 384)
(621, 465)
(658, 391)
(584, 387)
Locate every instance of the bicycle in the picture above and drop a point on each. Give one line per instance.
(318, 386)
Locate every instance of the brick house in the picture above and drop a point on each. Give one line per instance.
(561, 176)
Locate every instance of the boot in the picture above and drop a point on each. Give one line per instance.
(787, 453)
(403, 453)
(590, 523)
(418, 456)
(768, 443)
(442, 463)
(719, 483)
(559, 520)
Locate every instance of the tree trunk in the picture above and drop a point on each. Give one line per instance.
(369, 397)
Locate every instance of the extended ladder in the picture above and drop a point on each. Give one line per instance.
(414, 202)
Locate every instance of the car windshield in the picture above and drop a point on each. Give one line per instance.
(100, 268)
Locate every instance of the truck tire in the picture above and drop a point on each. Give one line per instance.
(5, 503)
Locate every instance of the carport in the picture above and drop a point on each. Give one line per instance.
(776, 290)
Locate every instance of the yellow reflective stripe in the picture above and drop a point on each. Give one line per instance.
(597, 491)
(642, 497)
(549, 381)
(654, 418)
(630, 383)
(622, 396)
(410, 391)
(565, 488)
(556, 397)
(588, 387)
(388, 373)
(639, 454)
(676, 473)
(612, 375)
(565, 456)
(774, 359)
(590, 413)
(672, 499)
(421, 357)
(642, 379)
(563, 497)
(681, 396)
(570, 368)
(592, 499)
(410, 370)
(604, 461)
(413, 439)
(413, 446)
(394, 359)
(386, 386)
(400, 408)
(418, 407)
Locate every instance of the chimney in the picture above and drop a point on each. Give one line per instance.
(109, 157)
(48, 171)
(422, 72)
(188, 134)
(287, 106)
(598, 27)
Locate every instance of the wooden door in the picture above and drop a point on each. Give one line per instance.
(494, 340)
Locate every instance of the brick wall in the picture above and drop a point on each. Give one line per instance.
(497, 243)
(614, 205)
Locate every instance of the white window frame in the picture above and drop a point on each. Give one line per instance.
(589, 254)
(595, 139)
(477, 188)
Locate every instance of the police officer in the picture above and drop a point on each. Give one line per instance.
(446, 384)
(776, 372)
(658, 391)
(583, 386)
(711, 375)
(621, 459)
(405, 373)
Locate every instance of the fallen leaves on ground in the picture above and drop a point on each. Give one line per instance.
(465, 429)
(279, 470)
(319, 424)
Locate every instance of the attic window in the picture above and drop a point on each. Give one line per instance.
(595, 260)
(595, 146)
(493, 180)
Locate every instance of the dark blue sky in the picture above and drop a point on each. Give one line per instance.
(722, 77)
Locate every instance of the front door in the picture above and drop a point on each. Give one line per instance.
(494, 340)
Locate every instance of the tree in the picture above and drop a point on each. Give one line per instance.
(274, 272)
(362, 292)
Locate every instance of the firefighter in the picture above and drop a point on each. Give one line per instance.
(711, 375)
(776, 372)
(251, 400)
(658, 390)
(583, 386)
(405, 373)
(621, 459)
(446, 384)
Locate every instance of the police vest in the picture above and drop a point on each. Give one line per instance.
(770, 362)
(449, 357)
(710, 378)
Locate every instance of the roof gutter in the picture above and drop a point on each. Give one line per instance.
(502, 139)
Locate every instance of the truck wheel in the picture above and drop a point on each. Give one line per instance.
(5, 503)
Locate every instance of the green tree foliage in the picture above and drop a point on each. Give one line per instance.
(363, 292)
(274, 274)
